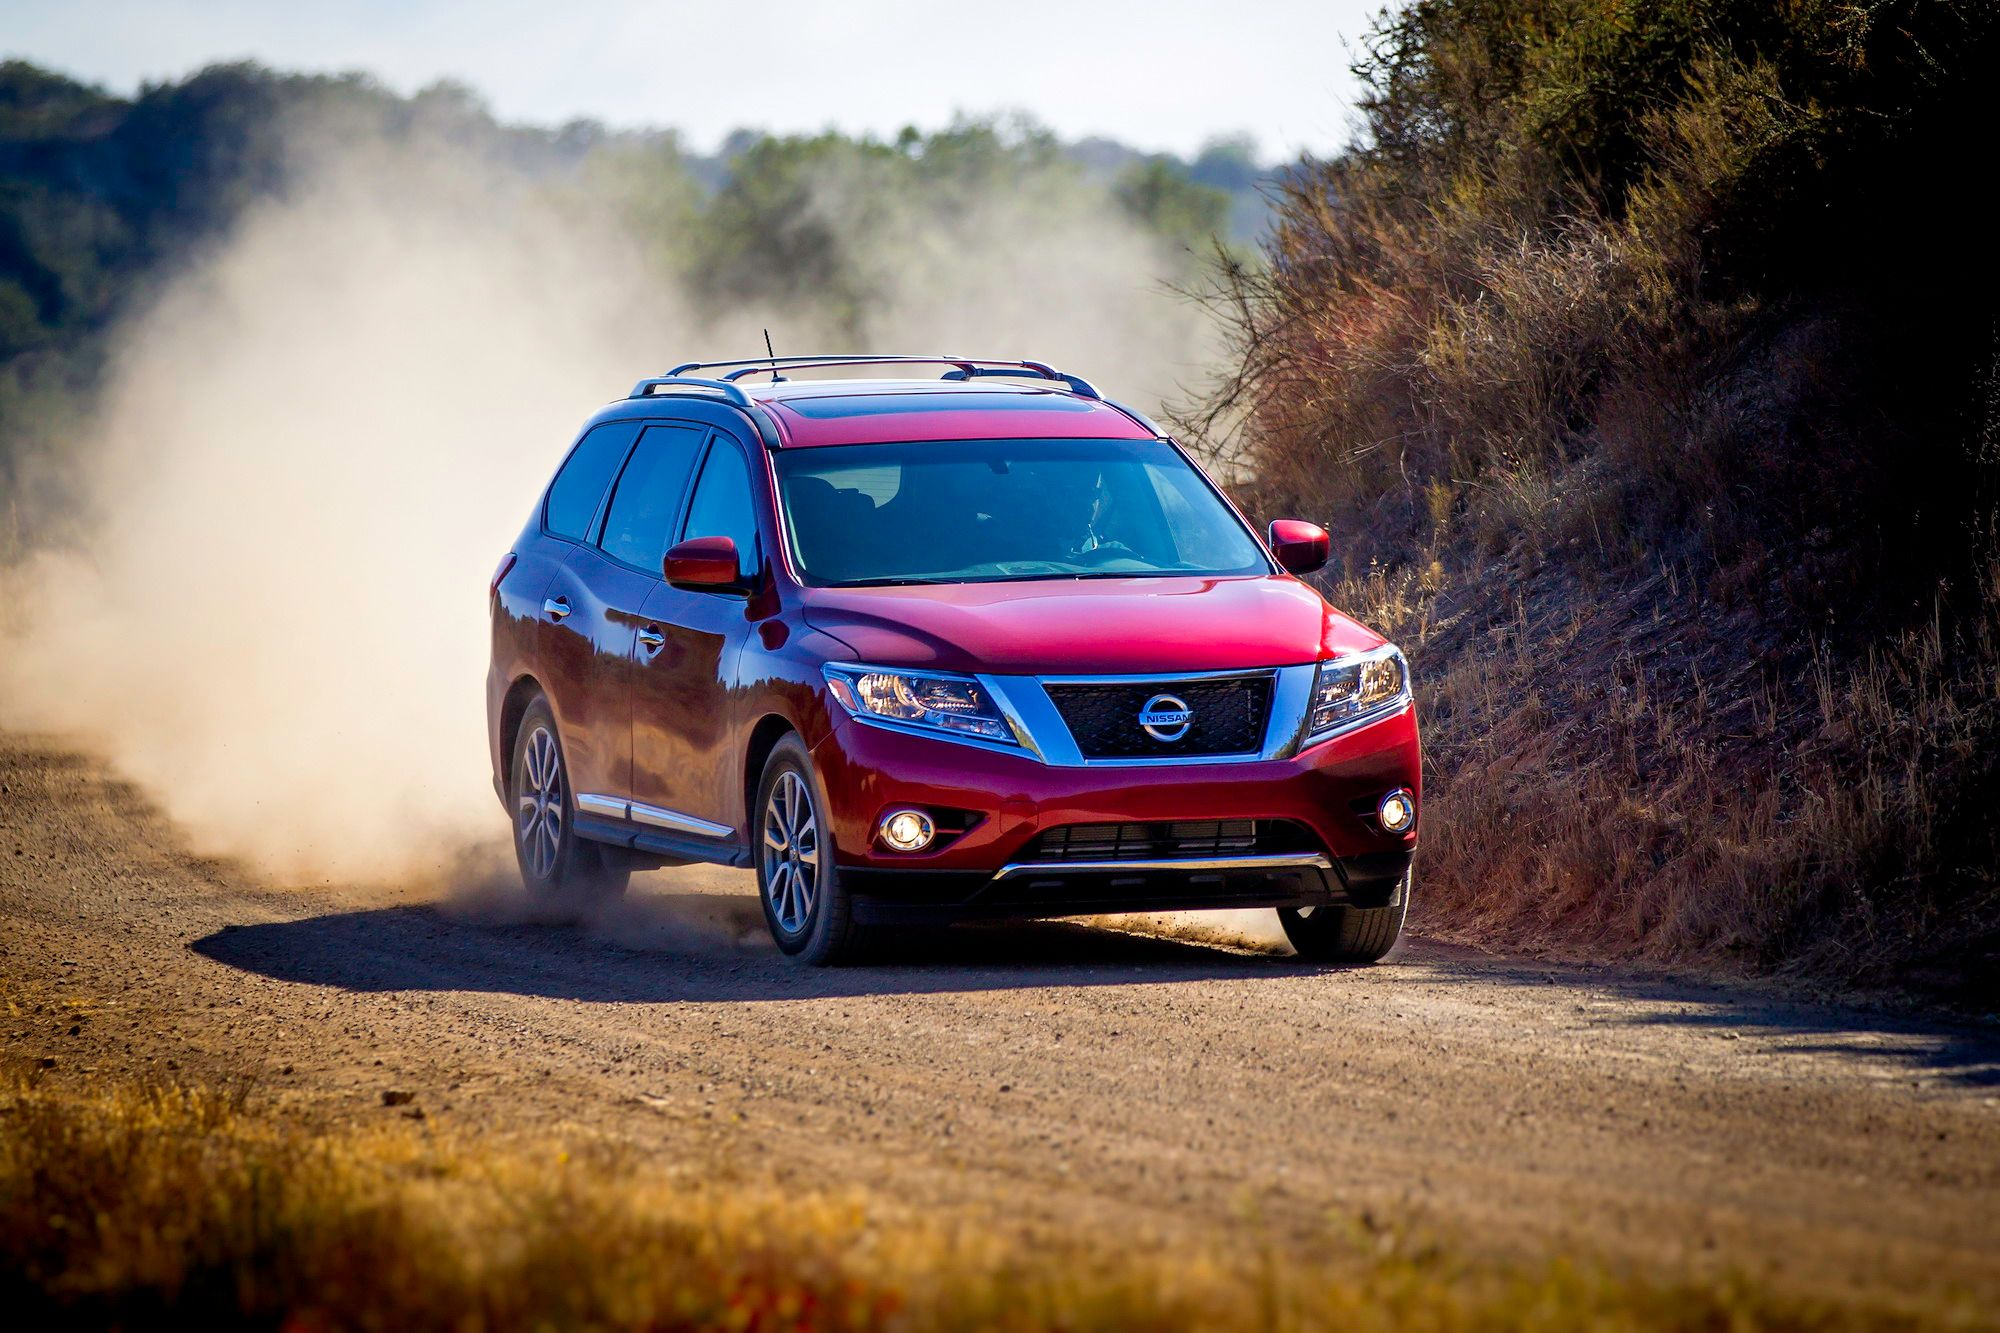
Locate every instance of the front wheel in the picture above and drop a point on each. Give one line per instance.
(1347, 935)
(809, 911)
(554, 861)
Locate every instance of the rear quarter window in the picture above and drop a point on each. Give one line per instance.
(585, 476)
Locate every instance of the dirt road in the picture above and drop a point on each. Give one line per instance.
(1054, 1075)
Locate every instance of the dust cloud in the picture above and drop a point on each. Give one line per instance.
(704, 909)
(320, 436)
(1251, 929)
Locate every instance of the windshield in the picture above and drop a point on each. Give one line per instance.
(987, 510)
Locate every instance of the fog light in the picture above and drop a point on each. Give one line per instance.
(908, 830)
(1398, 811)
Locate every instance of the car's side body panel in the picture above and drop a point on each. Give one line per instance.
(685, 712)
(587, 666)
(529, 567)
(583, 661)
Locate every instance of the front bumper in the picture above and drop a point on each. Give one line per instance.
(1010, 800)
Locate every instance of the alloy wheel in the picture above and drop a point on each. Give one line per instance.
(791, 853)
(540, 803)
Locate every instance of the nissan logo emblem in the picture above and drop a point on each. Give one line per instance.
(1165, 717)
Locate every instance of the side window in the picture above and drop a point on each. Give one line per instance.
(581, 483)
(648, 498)
(722, 506)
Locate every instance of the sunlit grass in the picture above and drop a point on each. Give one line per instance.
(137, 1204)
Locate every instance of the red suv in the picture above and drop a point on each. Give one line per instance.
(924, 649)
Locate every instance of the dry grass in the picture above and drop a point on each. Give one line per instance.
(145, 1205)
(1611, 774)
(1685, 514)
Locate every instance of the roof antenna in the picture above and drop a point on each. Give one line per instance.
(772, 352)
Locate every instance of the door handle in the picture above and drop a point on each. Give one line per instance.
(651, 639)
(555, 607)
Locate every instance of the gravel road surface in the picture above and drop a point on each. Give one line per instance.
(1050, 1074)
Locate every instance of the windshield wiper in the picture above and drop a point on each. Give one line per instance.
(1052, 576)
(1127, 573)
(1108, 574)
(893, 583)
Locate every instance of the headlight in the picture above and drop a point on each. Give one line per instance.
(953, 704)
(1350, 688)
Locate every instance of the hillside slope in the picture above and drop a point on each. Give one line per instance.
(1642, 359)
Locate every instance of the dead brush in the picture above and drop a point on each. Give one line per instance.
(1619, 819)
(1581, 354)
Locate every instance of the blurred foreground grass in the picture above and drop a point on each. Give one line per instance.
(139, 1205)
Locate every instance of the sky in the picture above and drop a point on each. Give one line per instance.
(1166, 75)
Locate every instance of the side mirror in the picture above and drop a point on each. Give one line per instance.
(1301, 547)
(707, 564)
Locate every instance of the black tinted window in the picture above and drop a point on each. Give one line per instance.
(580, 485)
(721, 505)
(648, 498)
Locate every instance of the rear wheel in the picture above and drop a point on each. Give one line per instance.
(1344, 934)
(810, 913)
(553, 859)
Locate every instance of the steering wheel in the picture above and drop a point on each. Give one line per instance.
(1099, 555)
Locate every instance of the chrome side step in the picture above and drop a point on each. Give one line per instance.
(638, 812)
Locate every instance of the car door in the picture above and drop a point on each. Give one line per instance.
(685, 759)
(594, 605)
(568, 658)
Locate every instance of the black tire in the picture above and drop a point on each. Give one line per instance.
(1351, 936)
(810, 912)
(555, 862)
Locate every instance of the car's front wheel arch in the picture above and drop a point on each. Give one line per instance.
(791, 796)
(764, 738)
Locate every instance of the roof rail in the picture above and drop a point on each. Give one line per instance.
(962, 368)
(1078, 385)
(732, 392)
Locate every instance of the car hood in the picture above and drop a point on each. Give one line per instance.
(1100, 626)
